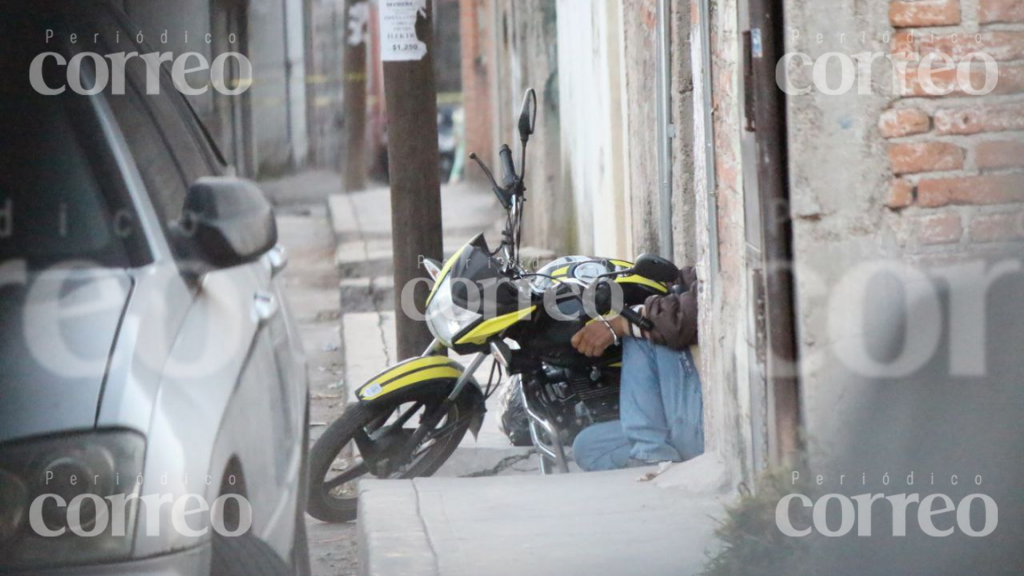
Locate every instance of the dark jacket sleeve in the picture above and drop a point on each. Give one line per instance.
(675, 315)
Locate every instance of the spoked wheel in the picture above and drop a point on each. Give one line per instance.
(368, 442)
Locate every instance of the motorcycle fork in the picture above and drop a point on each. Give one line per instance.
(432, 418)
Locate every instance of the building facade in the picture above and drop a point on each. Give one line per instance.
(263, 132)
(663, 129)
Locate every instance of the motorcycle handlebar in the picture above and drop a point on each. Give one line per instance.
(633, 317)
(508, 167)
(603, 301)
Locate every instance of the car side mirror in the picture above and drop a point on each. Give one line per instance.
(226, 222)
(528, 115)
(656, 268)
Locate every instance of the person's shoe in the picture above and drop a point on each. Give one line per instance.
(637, 463)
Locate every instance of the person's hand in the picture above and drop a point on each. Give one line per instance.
(595, 337)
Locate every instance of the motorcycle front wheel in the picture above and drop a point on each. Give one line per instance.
(336, 461)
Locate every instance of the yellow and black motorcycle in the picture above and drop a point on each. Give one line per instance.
(411, 417)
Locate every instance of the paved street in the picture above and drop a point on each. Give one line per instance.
(311, 281)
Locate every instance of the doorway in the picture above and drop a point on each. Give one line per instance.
(232, 115)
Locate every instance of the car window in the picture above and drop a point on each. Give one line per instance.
(170, 113)
(182, 138)
(61, 198)
(165, 146)
(160, 173)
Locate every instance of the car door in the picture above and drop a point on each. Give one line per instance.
(223, 400)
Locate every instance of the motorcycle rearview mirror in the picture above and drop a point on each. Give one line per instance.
(528, 115)
(656, 268)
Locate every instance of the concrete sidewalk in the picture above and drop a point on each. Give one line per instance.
(598, 524)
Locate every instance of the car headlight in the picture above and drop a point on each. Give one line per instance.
(445, 318)
(40, 481)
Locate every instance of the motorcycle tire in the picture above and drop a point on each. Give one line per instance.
(357, 416)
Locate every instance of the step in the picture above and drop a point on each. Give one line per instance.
(367, 294)
(369, 346)
(599, 524)
(368, 213)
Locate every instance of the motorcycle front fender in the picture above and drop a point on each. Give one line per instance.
(418, 376)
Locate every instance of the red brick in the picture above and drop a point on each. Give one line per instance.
(940, 229)
(1001, 11)
(980, 119)
(904, 44)
(925, 157)
(1001, 46)
(997, 155)
(1001, 227)
(995, 189)
(924, 13)
(1011, 80)
(905, 122)
(901, 194)
(998, 227)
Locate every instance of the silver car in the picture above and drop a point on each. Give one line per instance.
(153, 391)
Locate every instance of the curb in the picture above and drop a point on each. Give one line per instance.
(392, 536)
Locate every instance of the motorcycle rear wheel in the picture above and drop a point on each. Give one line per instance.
(328, 499)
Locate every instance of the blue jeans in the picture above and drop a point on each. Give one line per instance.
(661, 407)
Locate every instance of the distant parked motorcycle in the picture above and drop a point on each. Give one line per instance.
(411, 417)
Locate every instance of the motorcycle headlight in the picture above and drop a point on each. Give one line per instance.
(445, 318)
(45, 483)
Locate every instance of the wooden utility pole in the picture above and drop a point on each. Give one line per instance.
(357, 16)
(410, 91)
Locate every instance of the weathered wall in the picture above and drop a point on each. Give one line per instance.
(526, 55)
(684, 202)
(594, 65)
(269, 92)
(723, 298)
(896, 174)
(593, 133)
(640, 45)
(328, 31)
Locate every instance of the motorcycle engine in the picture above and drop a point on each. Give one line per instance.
(583, 397)
(598, 391)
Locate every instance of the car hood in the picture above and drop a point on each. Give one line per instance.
(58, 329)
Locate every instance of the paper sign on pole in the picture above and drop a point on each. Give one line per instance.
(398, 19)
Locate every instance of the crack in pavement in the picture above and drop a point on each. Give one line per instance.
(502, 465)
(426, 530)
(372, 291)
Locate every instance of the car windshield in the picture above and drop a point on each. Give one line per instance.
(57, 200)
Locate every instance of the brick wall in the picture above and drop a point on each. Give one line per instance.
(958, 160)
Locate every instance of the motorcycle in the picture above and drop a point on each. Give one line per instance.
(555, 390)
